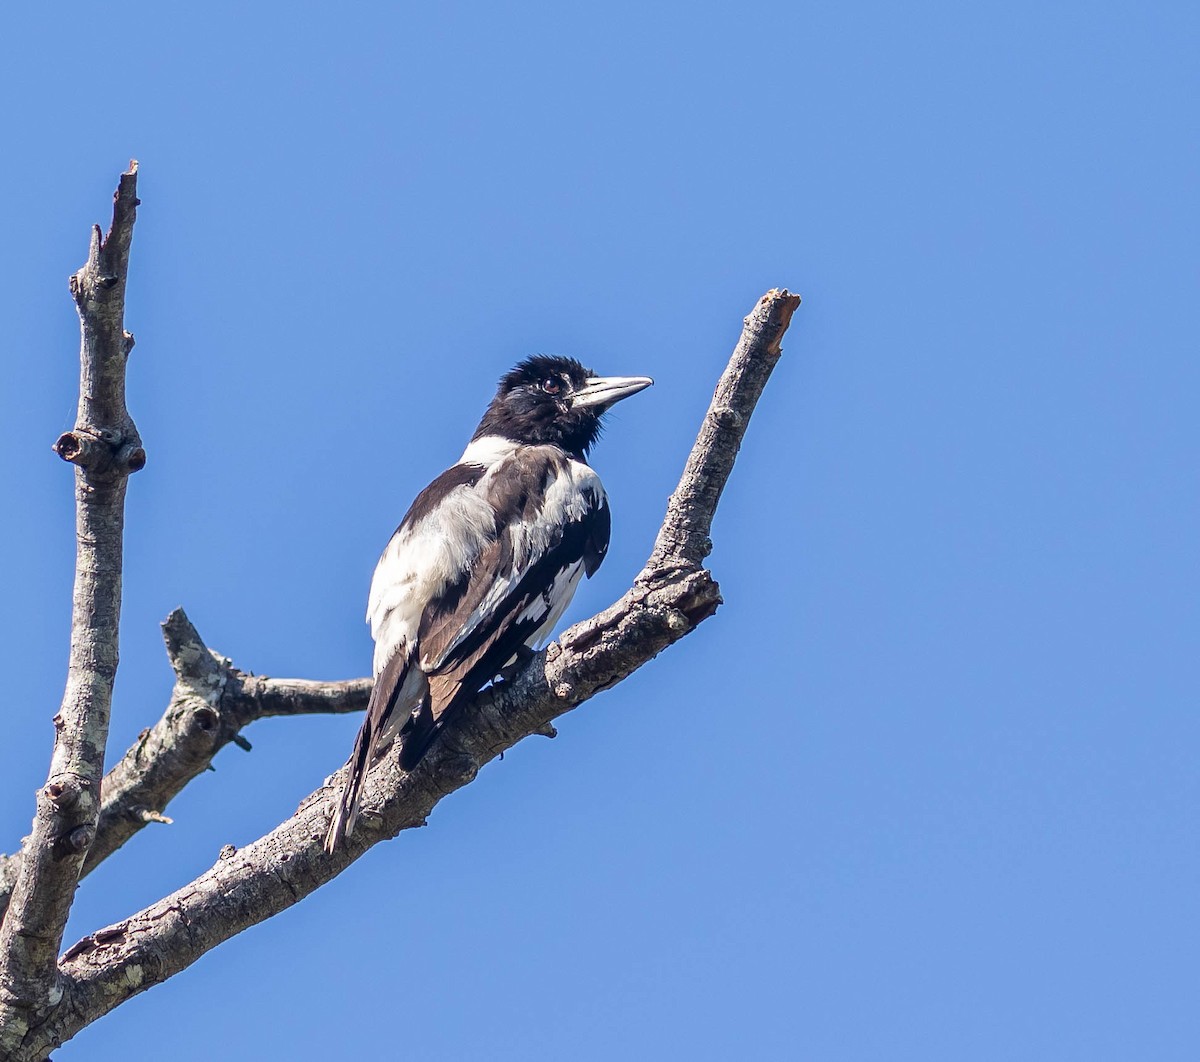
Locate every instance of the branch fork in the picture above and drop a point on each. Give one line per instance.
(105, 447)
(45, 1000)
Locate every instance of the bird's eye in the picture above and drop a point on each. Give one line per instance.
(552, 385)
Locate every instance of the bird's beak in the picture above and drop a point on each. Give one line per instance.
(600, 392)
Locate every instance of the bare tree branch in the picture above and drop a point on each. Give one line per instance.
(669, 598)
(211, 704)
(213, 701)
(105, 448)
(684, 532)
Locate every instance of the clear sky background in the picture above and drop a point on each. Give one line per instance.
(926, 786)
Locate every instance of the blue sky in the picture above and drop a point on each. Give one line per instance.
(925, 787)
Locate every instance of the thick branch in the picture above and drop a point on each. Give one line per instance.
(670, 597)
(105, 448)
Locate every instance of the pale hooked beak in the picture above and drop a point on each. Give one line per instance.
(600, 392)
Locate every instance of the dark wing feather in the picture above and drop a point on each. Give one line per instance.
(478, 658)
(396, 687)
(599, 532)
(417, 734)
(464, 647)
(441, 634)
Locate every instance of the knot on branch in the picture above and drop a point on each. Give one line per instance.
(77, 840)
(203, 715)
(72, 799)
(74, 809)
(729, 419)
(103, 452)
(64, 794)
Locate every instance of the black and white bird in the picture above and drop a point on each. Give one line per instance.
(485, 562)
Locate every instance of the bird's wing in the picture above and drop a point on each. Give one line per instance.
(439, 540)
(396, 690)
(441, 537)
(552, 526)
(429, 558)
(485, 562)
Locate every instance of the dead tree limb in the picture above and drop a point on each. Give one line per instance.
(210, 706)
(669, 598)
(105, 448)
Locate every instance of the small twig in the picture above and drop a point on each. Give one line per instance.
(670, 598)
(148, 815)
(105, 448)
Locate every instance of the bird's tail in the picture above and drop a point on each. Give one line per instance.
(345, 813)
(417, 735)
(444, 696)
(398, 687)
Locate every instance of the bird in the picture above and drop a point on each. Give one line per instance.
(485, 562)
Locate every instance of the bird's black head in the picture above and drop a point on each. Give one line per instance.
(552, 399)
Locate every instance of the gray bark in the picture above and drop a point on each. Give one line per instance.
(211, 704)
(43, 1002)
(105, 448)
